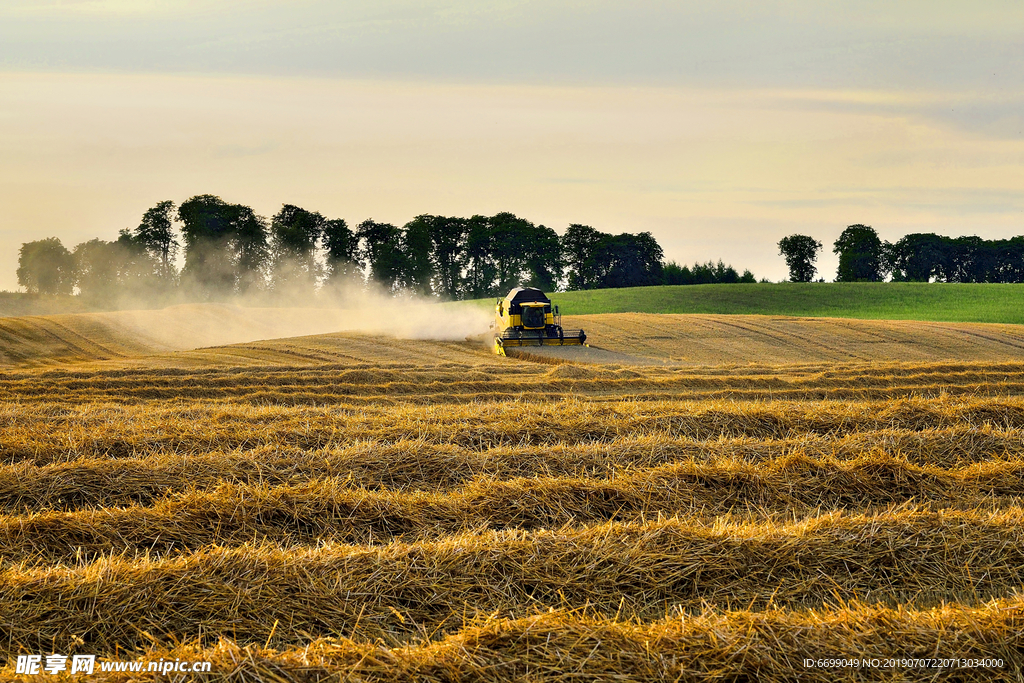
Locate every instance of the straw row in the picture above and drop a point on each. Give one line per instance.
(455, 392)
(710, 646)
(53, 433)
(324, 374)
(361, 384)
(328, 510)
(364, 372)
(418, 464)
(477, 379)
(640, 570)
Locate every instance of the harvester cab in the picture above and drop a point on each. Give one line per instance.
(525, 318)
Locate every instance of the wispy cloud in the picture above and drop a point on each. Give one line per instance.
(792, 43)
(997, 115)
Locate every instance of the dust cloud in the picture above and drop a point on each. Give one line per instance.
(354, 308)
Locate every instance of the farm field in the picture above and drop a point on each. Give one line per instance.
(739, 493)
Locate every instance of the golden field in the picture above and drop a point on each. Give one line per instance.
(350, 507)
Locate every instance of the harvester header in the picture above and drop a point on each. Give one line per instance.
(525, 318)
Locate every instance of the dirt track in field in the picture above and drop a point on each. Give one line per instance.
(740, 339)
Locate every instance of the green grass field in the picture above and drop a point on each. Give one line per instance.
(988, 303)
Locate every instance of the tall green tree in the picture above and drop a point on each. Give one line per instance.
(800, 252)
(481, 268)
(448, 237)
(860, 255)
(917, 257)
(1011, 252)
(294, 236)
(46, 267)
(595, 259)
(341, 247)
(139, 268)
(226, 247)
(416, 245)
(108, 272)
(966, 260)
(208, 225)
(630, 260)
(249, 242)
(523, 253)
(510, 243)
(381, 254)
(674, 274)
(544, 259)
(98, 267)
(156, 234)
(579, 249)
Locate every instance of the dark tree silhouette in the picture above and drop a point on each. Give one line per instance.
(596, 259)
(97, 268)
(225, 246)
(523, 253)
(46, 267)
(108, 271)
(709, 273)
(579, 245)
(860, 255)
(436, 250)
(228, 249)
(917, 257)
(208, 224)
(416, 245)
(674, 274)
(800, 251)
(294, 235)
(628, 260)
(205, 218)
(966, 260)
(481, 268)
(156, 234)
(510, 248)
(342, 249)
(252, 252)
(1010, 255)
(380, 252)
(448, 236)
(544, 259)
(922, 257)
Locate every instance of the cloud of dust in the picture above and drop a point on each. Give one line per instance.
(295, 311)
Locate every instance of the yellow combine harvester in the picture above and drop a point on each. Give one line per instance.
(525, 318)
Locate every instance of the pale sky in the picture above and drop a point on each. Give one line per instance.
(719, 127)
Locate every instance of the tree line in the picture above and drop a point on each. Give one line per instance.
(918, 257)
(229, 249)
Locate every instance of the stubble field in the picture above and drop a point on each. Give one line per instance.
(345, 507)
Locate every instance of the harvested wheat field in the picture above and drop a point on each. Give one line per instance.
(713, 498)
